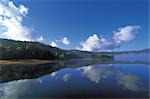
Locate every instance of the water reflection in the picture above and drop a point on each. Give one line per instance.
(131, 82)
(105, 80)
(66, 77)
(53, 74)
(14, 90)
(16, 72)
(96, 73)
(128, 81)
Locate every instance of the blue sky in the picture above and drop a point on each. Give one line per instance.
(77, 20)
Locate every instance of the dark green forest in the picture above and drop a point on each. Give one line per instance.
(10, 49)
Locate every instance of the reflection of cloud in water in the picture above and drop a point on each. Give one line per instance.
(39, 80)
(66, 77)
(94, 74)
(97, 73)
(130, 82)
(14, 90)
(53, 74)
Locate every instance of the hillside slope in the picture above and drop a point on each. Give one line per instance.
(11, 49)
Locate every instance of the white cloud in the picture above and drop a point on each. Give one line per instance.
(96, 43)
(91, 43)
(53, 44)
(11, 18)
(23, 10)
(125, 34)
(40, 38)
(65, 41)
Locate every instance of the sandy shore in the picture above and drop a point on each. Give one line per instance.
(25, 61)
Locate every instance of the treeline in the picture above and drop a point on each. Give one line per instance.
(101, 56)
(10, 49)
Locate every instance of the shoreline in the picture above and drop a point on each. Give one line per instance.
(24, 62)
(38, 61)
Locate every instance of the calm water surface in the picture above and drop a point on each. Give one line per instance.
(91, 81)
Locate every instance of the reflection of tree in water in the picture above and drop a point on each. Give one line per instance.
(16, 72)
(97, 73)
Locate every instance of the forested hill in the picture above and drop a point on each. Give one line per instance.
(10, 49)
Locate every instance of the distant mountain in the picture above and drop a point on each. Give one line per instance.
(11, 49)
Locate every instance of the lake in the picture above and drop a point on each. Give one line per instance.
(76, 79)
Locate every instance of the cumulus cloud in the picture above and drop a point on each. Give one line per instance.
(125, 34)
(53, 44)
(65, 41)
(91, 43)
(98, 43)
(11, 23)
